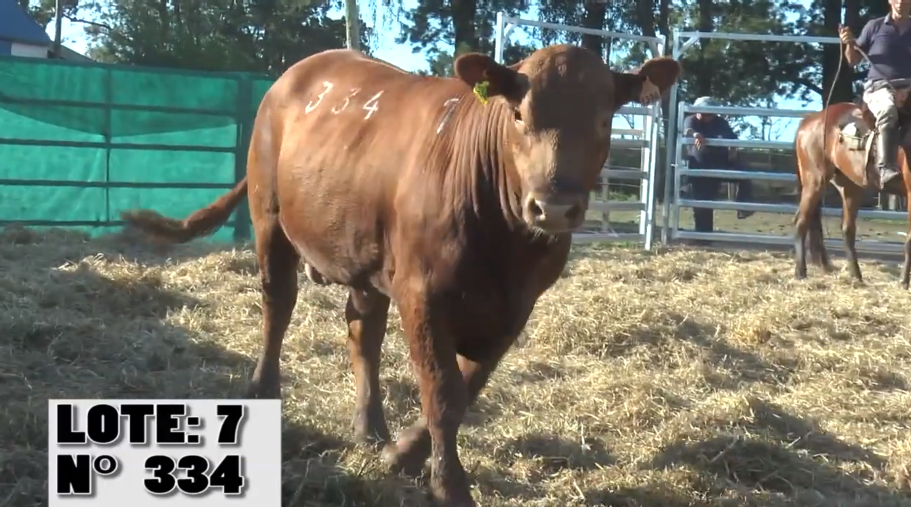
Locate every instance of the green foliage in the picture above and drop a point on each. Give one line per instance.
(264, 36)
(435, 28)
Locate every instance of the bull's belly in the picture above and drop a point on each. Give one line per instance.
(337, 250)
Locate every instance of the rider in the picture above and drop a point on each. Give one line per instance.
(887, 41)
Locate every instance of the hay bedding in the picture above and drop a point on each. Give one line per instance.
(671, 379)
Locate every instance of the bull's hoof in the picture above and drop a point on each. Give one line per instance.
(370, 430)
(407, 463)
(260, 389)
(456, 495)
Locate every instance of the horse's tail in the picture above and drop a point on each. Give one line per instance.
(200, 223)
(816, 246)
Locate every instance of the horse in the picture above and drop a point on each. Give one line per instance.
(834, 145)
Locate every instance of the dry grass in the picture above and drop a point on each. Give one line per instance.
(670, 379)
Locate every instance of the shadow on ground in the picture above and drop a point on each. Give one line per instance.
(777, 458)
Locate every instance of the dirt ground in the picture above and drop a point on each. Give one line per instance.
(665, 379)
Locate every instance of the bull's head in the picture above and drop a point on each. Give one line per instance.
(560, 104)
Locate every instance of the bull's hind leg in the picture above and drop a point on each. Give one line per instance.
(278, 262)
(366, 313)
(851, 197)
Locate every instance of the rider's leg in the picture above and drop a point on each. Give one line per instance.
(882, 105)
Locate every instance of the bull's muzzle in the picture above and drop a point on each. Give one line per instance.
(556, 213)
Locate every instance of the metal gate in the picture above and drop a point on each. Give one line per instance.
(672, 198)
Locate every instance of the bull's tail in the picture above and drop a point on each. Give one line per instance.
(200, 223)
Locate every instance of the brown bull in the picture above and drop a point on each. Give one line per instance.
(412, 189)
(833, 145)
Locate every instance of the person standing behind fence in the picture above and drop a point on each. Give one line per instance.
(703, 126)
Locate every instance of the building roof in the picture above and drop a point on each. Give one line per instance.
(17, 26)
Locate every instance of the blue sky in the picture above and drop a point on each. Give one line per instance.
(401, 55)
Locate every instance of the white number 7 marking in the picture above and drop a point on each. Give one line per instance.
(372, 105)
(450, 106)
(339, 109)
(319, 98)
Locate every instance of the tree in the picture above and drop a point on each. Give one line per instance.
(445, 29)
(352, 25)
(265, 36)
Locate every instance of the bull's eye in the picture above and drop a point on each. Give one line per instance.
(517, 116)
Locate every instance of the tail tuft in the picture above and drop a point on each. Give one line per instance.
(200, 223)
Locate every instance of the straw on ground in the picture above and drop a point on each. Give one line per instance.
(669, 379)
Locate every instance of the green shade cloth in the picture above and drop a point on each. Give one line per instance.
(79, 143)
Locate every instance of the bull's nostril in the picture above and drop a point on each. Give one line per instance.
(573, 213)
(534, 209)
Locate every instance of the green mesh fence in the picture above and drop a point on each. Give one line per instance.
(80, 143)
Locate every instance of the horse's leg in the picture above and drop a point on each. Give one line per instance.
(906, 174)
(906, 268)
(366, 313)
(851, 198)
(811, 190)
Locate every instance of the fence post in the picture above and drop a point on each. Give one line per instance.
(244, 117)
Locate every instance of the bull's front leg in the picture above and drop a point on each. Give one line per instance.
(444, 397)
(411, 450)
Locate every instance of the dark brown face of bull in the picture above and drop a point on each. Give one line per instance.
(561, 137)
(560, 103)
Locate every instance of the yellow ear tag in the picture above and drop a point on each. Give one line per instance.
(480, 90)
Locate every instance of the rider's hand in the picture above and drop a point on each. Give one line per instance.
(700, 141)
(847, 38)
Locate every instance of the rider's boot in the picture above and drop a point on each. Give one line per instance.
(886, 154)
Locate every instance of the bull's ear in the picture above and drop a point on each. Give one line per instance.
(475, 69)
(662, 72)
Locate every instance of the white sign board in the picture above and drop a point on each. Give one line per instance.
(144, 453)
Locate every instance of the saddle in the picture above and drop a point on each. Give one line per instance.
(856, 130)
